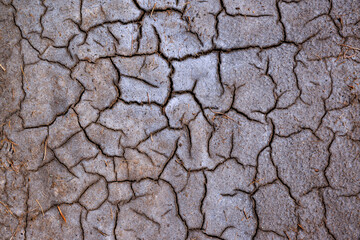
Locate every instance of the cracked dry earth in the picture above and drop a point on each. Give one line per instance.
(174, 119)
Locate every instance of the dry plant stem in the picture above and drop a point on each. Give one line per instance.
(219, 113)
(301, 227)
(15, 232)
(350, 47)
(45, 149)
(62, 215)
(152, 10)
(246, 216)
(7, 209)
(2, 68)
(287, 236)
(42, 210)
(186, 10)
(22, 71)
(101, 232)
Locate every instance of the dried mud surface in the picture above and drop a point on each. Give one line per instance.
(176, 119)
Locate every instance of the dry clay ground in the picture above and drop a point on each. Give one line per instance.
(174, 119)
